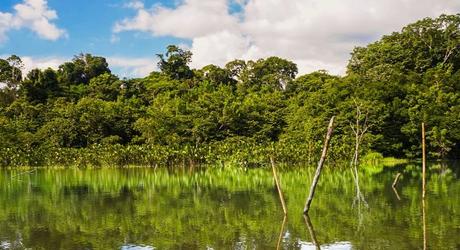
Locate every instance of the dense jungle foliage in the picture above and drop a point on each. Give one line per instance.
(82, 114)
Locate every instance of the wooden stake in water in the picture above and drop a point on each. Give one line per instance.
(423, 186)
(278, 186)
(393, 186)
(320, 166)
(423, 160)
(396, 180)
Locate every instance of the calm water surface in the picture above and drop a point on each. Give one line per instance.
(140, 208)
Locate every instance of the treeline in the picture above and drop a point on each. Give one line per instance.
(83, 114)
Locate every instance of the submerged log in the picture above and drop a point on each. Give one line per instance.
(320, 166)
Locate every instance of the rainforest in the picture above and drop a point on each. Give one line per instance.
(81, 114)
(181, 158)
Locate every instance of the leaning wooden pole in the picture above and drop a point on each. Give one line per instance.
(330, 128)
(423, 161)
(396, 180)
(278, 186)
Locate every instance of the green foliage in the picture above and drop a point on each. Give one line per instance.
(415, 74)
(245, 111)
(11, 71)
(105, 87)
(82, 69)
(41, 85)
(217, 75)
(175, 63)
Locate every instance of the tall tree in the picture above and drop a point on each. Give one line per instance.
(82, 68)
(175, 63)
(41, 85)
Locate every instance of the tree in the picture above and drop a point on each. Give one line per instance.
(418, 47)
(175, 63)
(236, 68)
(409, 72)
(11, 71)
(217, 75)
(391, 86)
(16, 67)
(82, 69)
(11, 76)
(434, 101)
(310, 82)
(41, 85)
(106, 87)
(273, 72)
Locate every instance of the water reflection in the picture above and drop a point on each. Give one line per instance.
(424, 224)
(311, 231)
(224, 209)
(396, 193)
(280, 238)
(334, 246)
(11, 245)
(135, 247)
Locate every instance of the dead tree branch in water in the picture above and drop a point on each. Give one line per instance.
(330, 128)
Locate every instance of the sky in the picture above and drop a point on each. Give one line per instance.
(315, 34)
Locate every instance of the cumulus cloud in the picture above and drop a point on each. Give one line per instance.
(5, 23)
(190, 19)
(121, 66)
(316, 34)
(34, 15)
(132, 67)
(31, 63)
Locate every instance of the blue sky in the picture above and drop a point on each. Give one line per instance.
(88, 24)
(89, 27)
(315, 34)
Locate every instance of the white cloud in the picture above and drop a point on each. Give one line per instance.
(132, 67)
(190, 19)
(218, 47)
(316, 34)
(34, 15)
(5, 22)
(135, 4)
(31, 63)
(121, 66)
